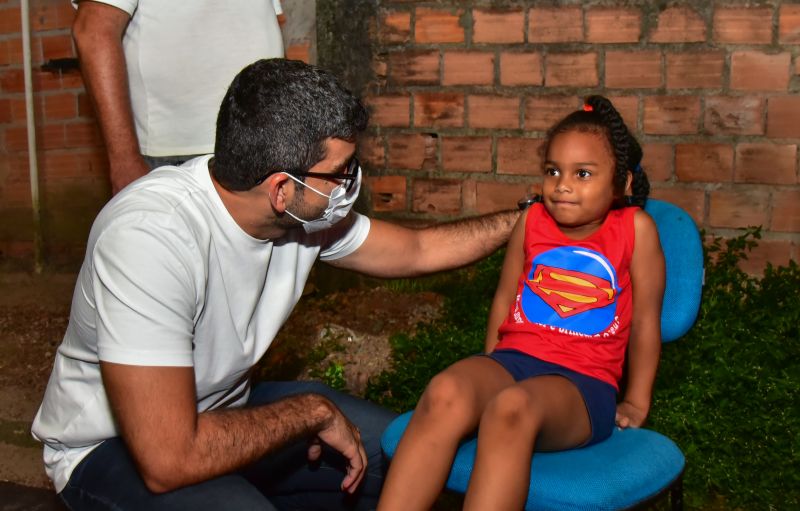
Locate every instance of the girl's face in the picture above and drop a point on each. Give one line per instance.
(578, 188)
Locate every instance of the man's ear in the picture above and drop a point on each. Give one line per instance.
(279, 191)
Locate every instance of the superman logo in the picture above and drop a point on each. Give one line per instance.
(570, 287)
(570, 292)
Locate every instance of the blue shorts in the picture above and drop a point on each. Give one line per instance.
(599, 397)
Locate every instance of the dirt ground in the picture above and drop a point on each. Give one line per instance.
(348, 330)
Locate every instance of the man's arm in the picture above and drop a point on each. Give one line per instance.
(174, 446)
(97, 30)
(394, 251)
(644, 347)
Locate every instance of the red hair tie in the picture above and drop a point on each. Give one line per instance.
(588, 108)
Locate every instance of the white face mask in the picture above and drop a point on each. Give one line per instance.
(340, 201)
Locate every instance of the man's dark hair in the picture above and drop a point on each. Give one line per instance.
(276, 116)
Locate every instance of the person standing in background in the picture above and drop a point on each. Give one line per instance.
(156, 72)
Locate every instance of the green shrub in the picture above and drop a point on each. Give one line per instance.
(727, 393)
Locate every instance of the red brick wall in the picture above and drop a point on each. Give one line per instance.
(462, 98)
(464, 94)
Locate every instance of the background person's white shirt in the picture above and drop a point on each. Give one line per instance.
(182, 55)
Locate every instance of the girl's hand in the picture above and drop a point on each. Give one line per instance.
(630, 415)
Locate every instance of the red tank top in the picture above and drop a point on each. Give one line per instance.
(573, 303)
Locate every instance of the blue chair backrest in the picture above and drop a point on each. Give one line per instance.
(683, 252)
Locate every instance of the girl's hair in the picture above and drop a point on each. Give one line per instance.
(599, 116)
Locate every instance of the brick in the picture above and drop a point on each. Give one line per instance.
(658, 161)
(371, 152)
(439, 109)
(521, 69)
(394, 27)
(555, 24)
(671, 115)
(10, 20)
(628, 108)
(85, 107)
(5, 111)
(389, 110)
(775, 252)
(12, 80)
(467, 154)
(380, 67)
(710, 163)
(414, 67)
(493, 112)
(542, 112)
(388, 193)
(757, 71)
(521, 156)
(633, 69)
(55, 165)
(60, 106)
(51, 15)
(501, 27)
(789, 24)
(734, 115)
(15, 138)
(738, 208)
(742, 25)
(785, 211)
(413, 151)
(690, 200)
(697, 70)
(18, 108)
(438, 26)
(783, 113)
(11, 51)
(571, 69)
(436, 197)
(51, 136)
(468, 68)
(299, 51)
(492, 197)
(766, 163)
(679, 24)
(45, 81)
(613, 25)
(83, 134)
(72, 80)
(57, 47)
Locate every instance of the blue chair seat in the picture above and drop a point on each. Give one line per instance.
(630, 467)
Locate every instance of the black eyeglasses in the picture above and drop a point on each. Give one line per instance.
(349, 175)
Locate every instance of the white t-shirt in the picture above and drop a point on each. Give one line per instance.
(182, 56)
(170, 279)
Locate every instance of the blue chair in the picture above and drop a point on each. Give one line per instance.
(634, 466)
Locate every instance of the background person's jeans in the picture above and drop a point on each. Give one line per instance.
(107, 478)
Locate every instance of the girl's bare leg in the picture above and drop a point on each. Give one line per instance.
(545, 411)
(447, 411)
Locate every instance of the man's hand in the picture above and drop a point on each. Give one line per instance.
(630, 415)
(125, 171)
(343, 436)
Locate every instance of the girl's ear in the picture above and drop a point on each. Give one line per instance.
(628, 183)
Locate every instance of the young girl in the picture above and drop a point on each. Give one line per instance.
(578, 265)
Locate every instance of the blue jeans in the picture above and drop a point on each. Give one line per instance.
(107, 478)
